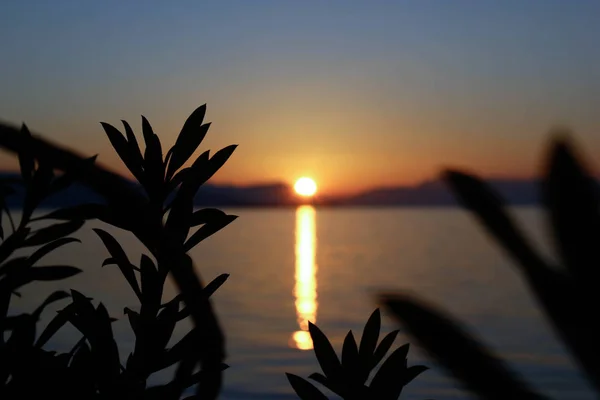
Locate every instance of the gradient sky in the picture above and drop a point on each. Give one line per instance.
(354, 94)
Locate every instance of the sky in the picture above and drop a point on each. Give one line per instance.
(356, 94)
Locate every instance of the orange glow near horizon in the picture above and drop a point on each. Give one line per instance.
(305, 187)
(305, 289)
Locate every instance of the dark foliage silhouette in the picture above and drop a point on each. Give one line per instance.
(162, 219)
(567, 293)
(348, 377)
(22, 360)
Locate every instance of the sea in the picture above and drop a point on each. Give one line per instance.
(327, 266)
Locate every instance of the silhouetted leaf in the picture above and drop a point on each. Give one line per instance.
(571, 196)
(207, 216)
(368, 341)
(52, 233)
(383, 348)
(567, 306)
(22, 337)
(413, 372)
(120, 145)
(151, 284)
(217, 161)
(42, 251)
(207, 230)
(71, 175)
(122, 261)
(54, 297)
(489, 208)
(463, 356)
(134, 151)
(214, 285)
(190, 137)
(350, 360)
(26, 159)
(51, 273)
(59, 320)
(304, 389)
(134, 319)
(107, 350)
(182, 206)
(78, 212)
(14, 266)
(12, 242)
(325, 353)
(153, 161)
(389, 380)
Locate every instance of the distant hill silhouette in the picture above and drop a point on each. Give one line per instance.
(430, 194)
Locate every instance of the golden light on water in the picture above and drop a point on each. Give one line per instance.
(305, 289)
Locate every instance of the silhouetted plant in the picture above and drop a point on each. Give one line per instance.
(568, 294)
(348, 377)
(161, 218)
(25, 368)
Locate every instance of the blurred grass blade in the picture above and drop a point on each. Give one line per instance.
(458, 352)
(571, 197)
(489, 208)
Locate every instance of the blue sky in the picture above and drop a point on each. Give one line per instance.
(355, 94)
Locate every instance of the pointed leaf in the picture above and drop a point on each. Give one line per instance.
(12, 242)
(207, 216)
(26, 160)
(463, 356)
(304, 389)
(208, 230)
(214, 285)
(61, 318)
(325, 353)
(413, 372)
(78, 212)
(350, 361)
(119, 143)
(44, 250)
(53, 232)
(153, 158)
(54, 297)
(134, 150)
(390, 379)
(368, 341)
(190, 137)
(383, 348)
(122, 261)
(51, 273)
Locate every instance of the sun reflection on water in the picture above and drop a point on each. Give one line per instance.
(305, 290)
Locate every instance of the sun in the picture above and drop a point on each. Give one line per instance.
(305, 187)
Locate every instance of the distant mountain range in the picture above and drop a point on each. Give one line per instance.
(427, 194)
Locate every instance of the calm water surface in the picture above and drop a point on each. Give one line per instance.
(324, 265)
